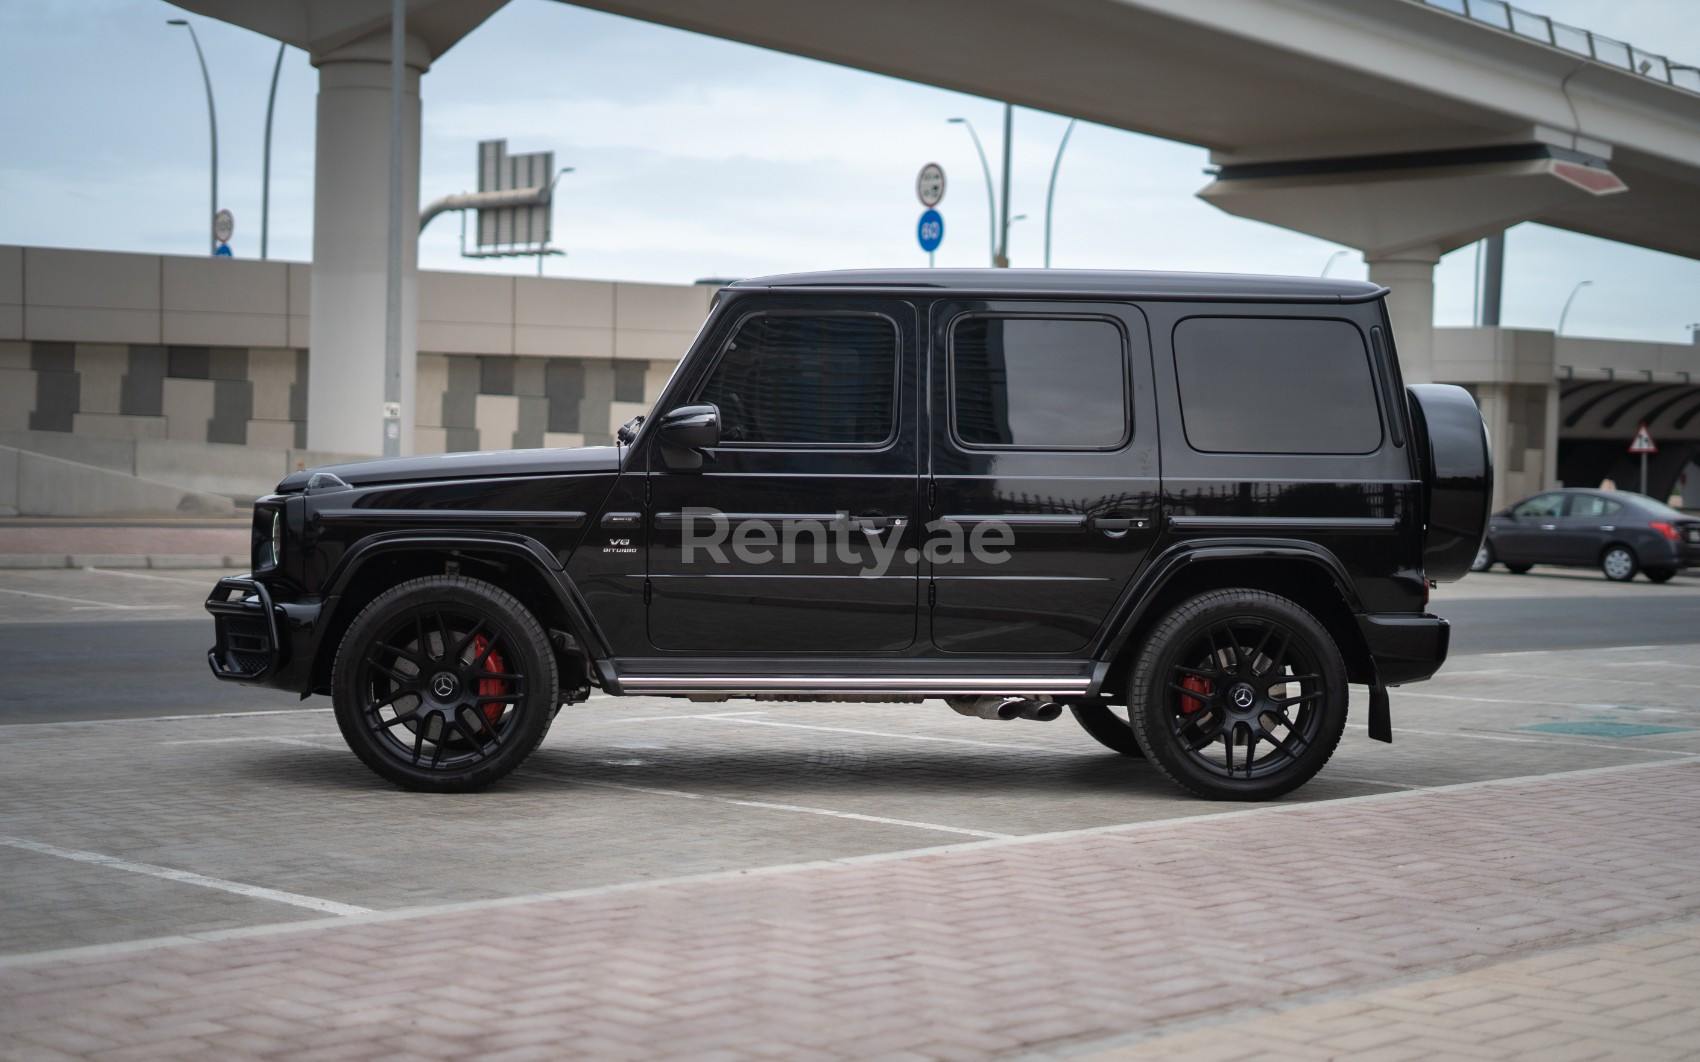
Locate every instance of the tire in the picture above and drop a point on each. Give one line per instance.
(444, 684)
(1619, 564)
(1518, 569)
(1660, 575)
(1185, 695)
(1484, 558)
(1108, 728)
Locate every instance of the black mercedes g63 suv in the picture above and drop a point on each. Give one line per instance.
(1191, 509)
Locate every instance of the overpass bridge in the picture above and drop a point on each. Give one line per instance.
(1402, 128)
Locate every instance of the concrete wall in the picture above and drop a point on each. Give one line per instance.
(188, 349)
(34, 484)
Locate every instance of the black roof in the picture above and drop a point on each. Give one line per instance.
(1099, 282)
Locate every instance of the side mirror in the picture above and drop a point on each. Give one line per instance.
(686, 432)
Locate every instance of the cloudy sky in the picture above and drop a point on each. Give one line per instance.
(696, 157)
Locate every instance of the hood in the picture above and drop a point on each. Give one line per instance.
(464, 466)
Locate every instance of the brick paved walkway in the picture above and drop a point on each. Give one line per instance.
(1039, 945)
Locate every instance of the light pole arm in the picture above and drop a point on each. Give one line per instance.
(1051, 189)
(212, 124)
(991, 206)
(266, 166)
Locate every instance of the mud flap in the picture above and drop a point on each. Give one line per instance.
(1380, 715)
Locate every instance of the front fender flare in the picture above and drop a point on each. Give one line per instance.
(523, 548)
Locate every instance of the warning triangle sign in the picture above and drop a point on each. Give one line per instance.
(1643, 443)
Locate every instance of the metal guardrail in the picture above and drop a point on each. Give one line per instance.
(1501, 15)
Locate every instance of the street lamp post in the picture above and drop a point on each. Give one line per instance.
(1580, 284)
(212, 123)
(266, 167)
(991, 203)
(1002, 261)
(1051, 189)
(1335, 257)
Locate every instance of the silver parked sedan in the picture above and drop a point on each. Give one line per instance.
(1616, 531)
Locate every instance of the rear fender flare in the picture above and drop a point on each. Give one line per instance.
(1137, 602)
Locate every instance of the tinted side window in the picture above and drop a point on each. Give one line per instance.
(808, 379)
(1275, 385)
(1592, 505)
(1540, 505)
(1038, 383)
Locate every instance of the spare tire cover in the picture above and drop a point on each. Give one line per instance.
(1457, 469)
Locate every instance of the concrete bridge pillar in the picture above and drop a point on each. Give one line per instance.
(345, 382)
(1409, 277)
(349, 42)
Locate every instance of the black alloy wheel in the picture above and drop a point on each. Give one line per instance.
(1109, 727)
(444, 684)
(1239, 695)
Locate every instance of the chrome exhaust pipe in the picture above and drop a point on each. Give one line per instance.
(1005, 708)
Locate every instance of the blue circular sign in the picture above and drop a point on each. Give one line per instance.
(930, 231)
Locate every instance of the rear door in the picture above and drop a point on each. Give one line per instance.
(1043, 468)
(1589, 522)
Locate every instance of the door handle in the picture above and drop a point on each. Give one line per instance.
(1549, 527)
(1608, 527)
(1119, 523)
(879, 523)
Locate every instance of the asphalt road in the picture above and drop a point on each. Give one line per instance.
(129, 668)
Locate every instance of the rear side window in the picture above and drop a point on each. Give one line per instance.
(1038, 383)
(1592, 505)
(1275, 385)
(808, 380)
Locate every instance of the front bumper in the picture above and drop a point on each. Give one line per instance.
(1406, 647)
(246, 645)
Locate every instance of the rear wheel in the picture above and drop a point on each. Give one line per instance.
(1109, 727)
(444, 684)
(1660, 575)
(1619, 564)
(1239, 695)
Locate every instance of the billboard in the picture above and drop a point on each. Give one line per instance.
(513, 229)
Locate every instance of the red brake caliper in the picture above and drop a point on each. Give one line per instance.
(1197, 685)
(490, 687)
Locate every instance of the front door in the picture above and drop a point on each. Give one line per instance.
(796, 534)
(1532, 535)
(1044, 471)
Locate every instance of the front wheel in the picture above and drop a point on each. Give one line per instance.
(1484, 558)
(1239, 695)
(444, 684)
(1619, 564)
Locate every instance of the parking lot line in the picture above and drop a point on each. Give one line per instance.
(185, 877)
(905, 737)
(275, 740)
(439, 910)
(1478, 735)
(798, 808)
(81, 600)
(139, 575)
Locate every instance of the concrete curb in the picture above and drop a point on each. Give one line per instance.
(122, 560)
